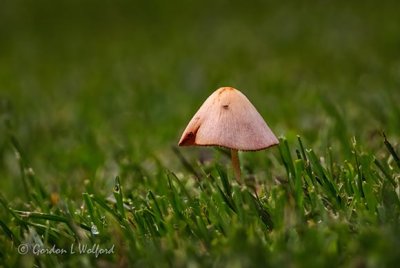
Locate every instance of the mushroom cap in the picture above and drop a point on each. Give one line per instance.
(228, 119)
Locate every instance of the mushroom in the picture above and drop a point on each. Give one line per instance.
(228, 119)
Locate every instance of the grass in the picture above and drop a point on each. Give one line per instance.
(93, 100)
(320, 213)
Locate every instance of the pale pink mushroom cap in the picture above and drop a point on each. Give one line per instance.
(227, 118)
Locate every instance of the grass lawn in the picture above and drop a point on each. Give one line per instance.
(95, 95)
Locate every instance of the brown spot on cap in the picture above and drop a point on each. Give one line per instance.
(189, 139)
(223, 89)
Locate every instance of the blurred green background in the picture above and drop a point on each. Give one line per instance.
(88, 85)
(94, 89)
(83, 83)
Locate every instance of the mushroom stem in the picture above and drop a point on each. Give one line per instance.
(236, 164)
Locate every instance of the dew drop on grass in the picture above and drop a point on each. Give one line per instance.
(94, 229)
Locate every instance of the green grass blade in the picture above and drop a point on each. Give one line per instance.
(391, 151)
(8, 232)
(34, 190)
(119, 198)
(185, 163)
(324, 180)
(286, 157)
(385, 172)
(224, 179)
